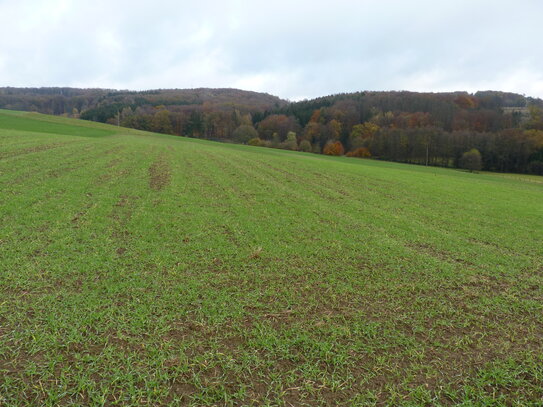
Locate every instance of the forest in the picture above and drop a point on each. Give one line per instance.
(489, 130)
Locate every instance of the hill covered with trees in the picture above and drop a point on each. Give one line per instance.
(505, 130)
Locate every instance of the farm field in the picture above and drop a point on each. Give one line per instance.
(144, 269)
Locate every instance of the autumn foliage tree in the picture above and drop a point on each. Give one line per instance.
(361, 152)
(279, 124)
(314, 132)
(362, 133)
(466, 102)
(333, 148)
(334, 129)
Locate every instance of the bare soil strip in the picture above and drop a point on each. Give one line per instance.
(30, 150)
(159, 174)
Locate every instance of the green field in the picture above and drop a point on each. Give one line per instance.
(142, 269)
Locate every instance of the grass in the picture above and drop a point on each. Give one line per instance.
(140, 269)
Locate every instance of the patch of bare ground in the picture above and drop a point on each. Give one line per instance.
(76, 220)
(111, 168)
(181, 392)
(114, 162)
(11, 365)
(440, 254)
(114, 150)
(159, 174)
(230, 235)
(121, 215)
(29, 150)
(493, 246)
(60, 171)
(112, 176)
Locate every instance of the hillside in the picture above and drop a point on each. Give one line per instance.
(434, 129)
(102, 104)
(146, 269)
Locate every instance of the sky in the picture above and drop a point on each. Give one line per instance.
(292, 49)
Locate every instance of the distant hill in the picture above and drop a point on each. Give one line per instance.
(74, 101)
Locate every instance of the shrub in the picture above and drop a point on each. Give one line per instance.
(244, 133)
(471, 160)
(275, 142)
(361, 152)
(256, 142)
(333, 148)
(290, 143)
(305, 146)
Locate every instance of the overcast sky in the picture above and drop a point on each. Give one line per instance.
(293, 49)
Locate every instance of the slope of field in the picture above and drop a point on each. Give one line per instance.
(138, 269)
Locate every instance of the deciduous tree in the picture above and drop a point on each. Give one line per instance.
(361, 152)
(471, 160)
(333, 148)
(244, 133)
(305, 146)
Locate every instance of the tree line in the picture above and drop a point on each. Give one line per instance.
(493, 131)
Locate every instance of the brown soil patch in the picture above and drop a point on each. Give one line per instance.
(159, 174)
(440, 254)
(29, 150)
(77, 217)
(121, 215)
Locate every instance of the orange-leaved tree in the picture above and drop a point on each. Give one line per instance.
(333, 148)
(361, 152)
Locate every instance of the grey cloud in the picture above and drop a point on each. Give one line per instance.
(292, 49)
